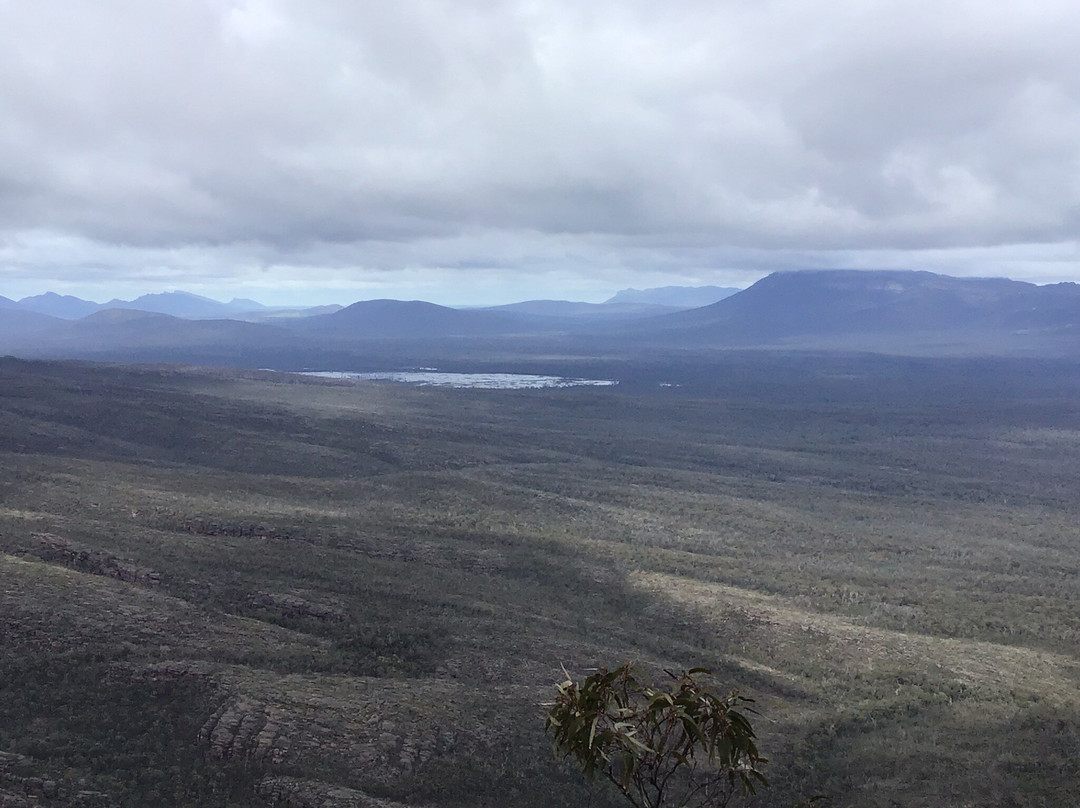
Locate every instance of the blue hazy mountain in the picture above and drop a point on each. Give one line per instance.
(185, 304)
(66, 307)
(16, 323)
(176, 304)
(130, 335)
(408, 319)
(860, 308)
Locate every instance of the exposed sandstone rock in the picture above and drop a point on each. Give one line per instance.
(58, 550)
(163, 672)
(9, 799)
(18, 787)
(92, 799)
(9, 761)
(214, 527)
(296, 606)
(291, 792)
(242, 731)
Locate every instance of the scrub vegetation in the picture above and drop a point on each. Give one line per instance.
(231, 588)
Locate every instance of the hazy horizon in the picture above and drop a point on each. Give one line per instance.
(102, 299)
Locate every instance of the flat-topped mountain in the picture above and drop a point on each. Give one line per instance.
(841, 307)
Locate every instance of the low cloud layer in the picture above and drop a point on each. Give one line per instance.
(504, 146)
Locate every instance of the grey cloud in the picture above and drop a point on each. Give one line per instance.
(631, 135)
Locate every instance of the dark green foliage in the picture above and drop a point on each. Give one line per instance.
(88, 726)
(680, 745)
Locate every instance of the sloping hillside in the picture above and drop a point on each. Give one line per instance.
(17, 325)
(259, 590)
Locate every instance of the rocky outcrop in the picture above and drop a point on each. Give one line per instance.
(296, 606)
(9, 799)
(242, 731)
(407, 751)
(215, 527)
(19, 788)
(163, 672)
(18, 785)
(292, 792)
(59, 550)
(92, 799)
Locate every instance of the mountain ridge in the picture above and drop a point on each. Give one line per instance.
(883, 311)
(853, 305)
(409, 319)
(67, 307)
(176, 303)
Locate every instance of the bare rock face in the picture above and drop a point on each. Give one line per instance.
(242, 731)
(162, 672)
(296, 606)
(58, 550)
(292, 792)
(92, 799)
(9, 799)
(215, 527)
(19, 789)
(407, 752)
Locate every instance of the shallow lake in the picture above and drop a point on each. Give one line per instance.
(481, 381)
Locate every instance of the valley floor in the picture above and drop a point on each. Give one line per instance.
(228, 588)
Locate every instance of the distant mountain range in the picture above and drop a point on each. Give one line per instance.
(903, 312)
(176, 304)
(187, 305)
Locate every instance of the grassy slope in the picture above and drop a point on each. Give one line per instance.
(220, 589)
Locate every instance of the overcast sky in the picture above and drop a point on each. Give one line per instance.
(492, 150)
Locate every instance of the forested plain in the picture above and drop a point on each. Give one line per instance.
(244, 588)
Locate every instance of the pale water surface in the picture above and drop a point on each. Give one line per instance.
(481, 381)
